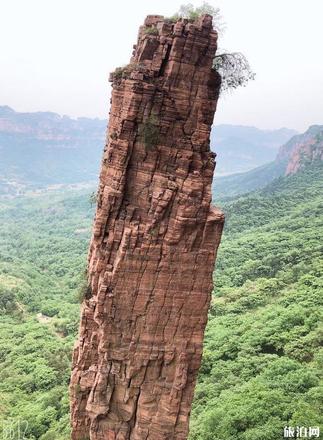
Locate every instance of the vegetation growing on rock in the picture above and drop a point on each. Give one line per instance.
(150, 132)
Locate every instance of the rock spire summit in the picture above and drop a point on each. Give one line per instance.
(154, 241)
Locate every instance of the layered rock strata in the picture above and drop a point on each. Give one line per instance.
(154, 242)
(302, 150)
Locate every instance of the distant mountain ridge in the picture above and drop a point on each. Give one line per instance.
(242, 148)
(50, 126)
(300, 151)
(43, 148)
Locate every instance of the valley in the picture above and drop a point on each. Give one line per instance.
(262, 345)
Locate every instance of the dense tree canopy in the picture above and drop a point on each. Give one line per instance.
(262, 357)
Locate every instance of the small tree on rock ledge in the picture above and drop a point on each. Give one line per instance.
(233, 67)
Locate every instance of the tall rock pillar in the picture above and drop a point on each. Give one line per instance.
(154, 242)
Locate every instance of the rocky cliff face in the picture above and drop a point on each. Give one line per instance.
(302, 149)
(154, 242)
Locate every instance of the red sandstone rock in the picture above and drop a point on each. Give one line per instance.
(302, 150)
(154, 242)
(304, 153)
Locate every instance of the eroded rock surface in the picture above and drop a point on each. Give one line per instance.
(154, 242)
(302, 150)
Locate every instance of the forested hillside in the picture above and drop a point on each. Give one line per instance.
(242, 183)
(43, 243)
(262, 355)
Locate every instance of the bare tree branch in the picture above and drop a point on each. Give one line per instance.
(234, 69)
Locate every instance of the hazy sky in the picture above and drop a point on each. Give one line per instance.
(56, 54)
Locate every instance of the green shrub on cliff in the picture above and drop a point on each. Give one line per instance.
(190, 12)
(233, 67)
(150, 132)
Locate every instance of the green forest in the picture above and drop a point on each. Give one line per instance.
(262, 357)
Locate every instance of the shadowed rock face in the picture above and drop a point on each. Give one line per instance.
(154, 242)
